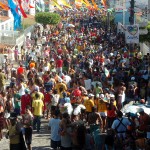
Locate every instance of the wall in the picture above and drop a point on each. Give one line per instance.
(7, 25)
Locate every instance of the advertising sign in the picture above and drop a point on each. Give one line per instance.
(132, 33)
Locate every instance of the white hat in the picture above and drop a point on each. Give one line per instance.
(52, 59)
(112, 96)
(132, 78)
(90, 95)
(101, 96)
(111, 54)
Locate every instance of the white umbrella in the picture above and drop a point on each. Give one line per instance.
(70, 26)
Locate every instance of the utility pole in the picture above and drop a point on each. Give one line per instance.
(131, 18)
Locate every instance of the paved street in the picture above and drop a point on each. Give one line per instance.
(40, 141)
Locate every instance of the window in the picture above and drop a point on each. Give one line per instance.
(6, 26)
(2, 27)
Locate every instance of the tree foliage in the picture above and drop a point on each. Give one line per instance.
(47, 18)
(146, 38)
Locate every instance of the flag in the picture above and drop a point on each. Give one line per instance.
(17, 17)
(65, 3)
(21, 9)
(30, 6)
(95, 5)
(57, 5)
(38, 8)
(104, 3)
(4, 6)
(87, 3)
(106, 71)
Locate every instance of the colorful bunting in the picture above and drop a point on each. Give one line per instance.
(38, 8)
(65, 3)
(104, 3)
(4, 6)
(31, 6)
(21, 9)
(57, 5)
(95, 5)
(17, 17)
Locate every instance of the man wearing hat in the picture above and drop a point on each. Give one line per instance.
(89, 104)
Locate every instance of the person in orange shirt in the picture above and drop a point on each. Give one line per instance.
(102, 110)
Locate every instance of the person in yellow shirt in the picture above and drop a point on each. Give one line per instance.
(36, 90)
(60, 85)
(102, 110)
(37, 106)
(89, 104)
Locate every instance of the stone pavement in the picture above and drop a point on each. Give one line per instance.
(40, 141)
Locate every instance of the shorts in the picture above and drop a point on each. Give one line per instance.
(55, 144)
(28, 135)
(103, 114)
(53, 108)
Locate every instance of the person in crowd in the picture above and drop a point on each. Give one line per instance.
(102, 110)
(120, 125)
(54, 126)
(37, 105)
(2, 80)
(14, 132)
(144, 120)
(79, 58)
(27, 120)
(89, 104)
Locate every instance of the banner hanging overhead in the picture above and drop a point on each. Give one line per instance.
(132, 33)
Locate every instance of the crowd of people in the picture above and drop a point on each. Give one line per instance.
(78, 78)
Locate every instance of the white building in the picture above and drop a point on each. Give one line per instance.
(6, 21)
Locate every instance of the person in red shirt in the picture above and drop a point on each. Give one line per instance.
(25, 101)
(20, 70)
(59, 64)
(59, 51)
(47, 103)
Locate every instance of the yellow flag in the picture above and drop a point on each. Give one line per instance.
(65, 3)
(83, 2)
(87, 3)
(57, 5)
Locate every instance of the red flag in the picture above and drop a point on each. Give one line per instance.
(21, 9)
(31, 6)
